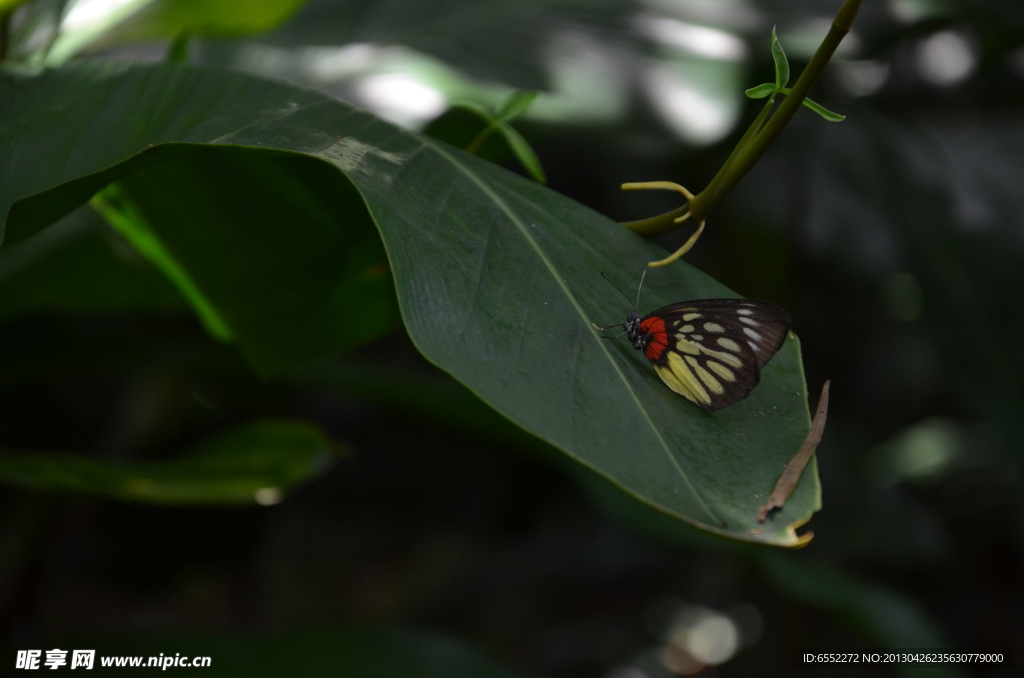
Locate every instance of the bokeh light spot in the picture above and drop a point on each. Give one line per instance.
(946, 58)
(400, 98)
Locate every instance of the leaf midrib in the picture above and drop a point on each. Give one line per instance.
(579, 310)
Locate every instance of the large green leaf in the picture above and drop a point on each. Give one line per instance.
(254, 462)
(498, 278)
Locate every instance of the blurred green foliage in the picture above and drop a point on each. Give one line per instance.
(256, 462)
(894, 240)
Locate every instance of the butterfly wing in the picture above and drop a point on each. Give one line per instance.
(712, 350)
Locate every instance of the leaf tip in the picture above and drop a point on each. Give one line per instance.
(802, 540)
(760, 91)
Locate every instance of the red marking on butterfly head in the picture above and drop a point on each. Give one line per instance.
(653, 338)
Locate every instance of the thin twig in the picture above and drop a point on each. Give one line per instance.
(795, 468)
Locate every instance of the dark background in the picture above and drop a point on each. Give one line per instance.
(895, 239)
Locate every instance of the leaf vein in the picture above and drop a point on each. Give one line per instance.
(572, 299)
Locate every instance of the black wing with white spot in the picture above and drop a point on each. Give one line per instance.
(717, 347)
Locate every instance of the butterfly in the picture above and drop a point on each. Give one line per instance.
(710, 351)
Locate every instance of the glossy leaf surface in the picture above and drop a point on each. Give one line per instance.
(498, 278)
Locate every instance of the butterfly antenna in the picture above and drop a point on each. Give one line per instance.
(620, 291)
(642, 276)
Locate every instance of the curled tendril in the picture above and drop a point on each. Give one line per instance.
(669, 186)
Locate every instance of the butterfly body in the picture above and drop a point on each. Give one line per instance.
(710, 351)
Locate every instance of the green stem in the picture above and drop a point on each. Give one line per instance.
(666, 222)
(478, 142)
(749, 150)
(706, 201)
(663, 223)
(751, 134)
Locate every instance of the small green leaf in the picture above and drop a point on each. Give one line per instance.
(761, 91)
(823, 112)
(781, 63)
(516, 105)
(817, 108)
(523, 151)
(258, 462)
